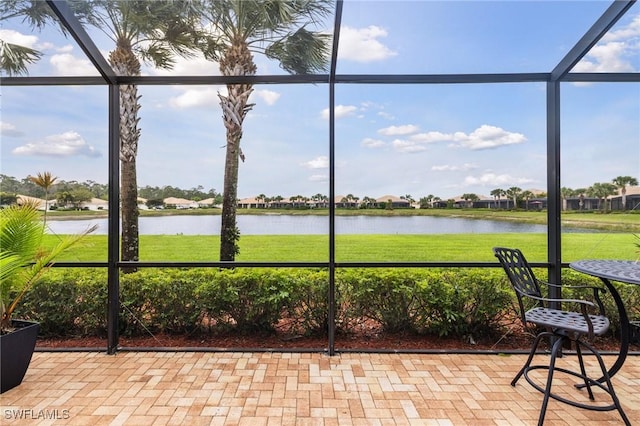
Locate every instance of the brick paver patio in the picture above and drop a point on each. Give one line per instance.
(197, 388)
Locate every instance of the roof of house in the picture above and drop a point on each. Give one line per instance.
(393, 199)
(174, 200)
(207, 201)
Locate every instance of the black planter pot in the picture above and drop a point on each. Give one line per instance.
(16, 349)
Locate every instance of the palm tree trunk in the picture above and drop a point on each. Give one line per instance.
(129, 208)
(237, 61)
(229, 233)
(125, 63)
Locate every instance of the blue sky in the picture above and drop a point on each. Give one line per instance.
(443, 140)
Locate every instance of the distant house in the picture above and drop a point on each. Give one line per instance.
(142, 203)
(341, 202)
(632, 196)
(207, 202)
(396, 202)
(180, 203)
(95, 204)
(252, 203)
(39, 202)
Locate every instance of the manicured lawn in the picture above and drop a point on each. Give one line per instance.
(364, 248)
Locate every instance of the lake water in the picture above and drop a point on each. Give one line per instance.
(309, 225)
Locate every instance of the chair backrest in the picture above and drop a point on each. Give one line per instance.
(519, 273)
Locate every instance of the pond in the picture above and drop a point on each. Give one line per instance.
(278, 224)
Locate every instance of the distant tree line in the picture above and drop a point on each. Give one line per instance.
(73, 193)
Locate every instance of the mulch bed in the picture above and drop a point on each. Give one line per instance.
(371, 338)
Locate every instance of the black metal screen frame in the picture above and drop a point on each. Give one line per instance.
(108, 78)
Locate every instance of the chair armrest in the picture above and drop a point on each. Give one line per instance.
(584, 305)
(596, 292)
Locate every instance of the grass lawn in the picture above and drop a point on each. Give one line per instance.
(363, 248)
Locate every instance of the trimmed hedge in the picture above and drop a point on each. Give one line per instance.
(447, 302)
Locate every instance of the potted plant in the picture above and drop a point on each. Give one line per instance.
(23, 261)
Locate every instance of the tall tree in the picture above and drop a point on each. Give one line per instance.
(45, 181)
(497, 193)
(602, 190)
(277, 28)
(564, 194)
(150, 31)
(526, 196)
(621, 182)
(513, 192)
(142, 31)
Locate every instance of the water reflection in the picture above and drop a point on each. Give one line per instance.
(310, 225)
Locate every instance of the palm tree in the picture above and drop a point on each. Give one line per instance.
(513, 192)
(408, 198)
(276, 28)
(497, 193)
(601, 191)
(14, 58)
(45, 181)
(621, 182)
(470, 199)
(564, 194)
(580, 192)
(526, 196)
(153, 32)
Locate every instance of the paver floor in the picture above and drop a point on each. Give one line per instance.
(205, 388)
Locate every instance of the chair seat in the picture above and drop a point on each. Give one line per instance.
(570, 321)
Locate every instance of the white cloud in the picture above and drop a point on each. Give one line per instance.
(432, 137)
(65, 64)
(406, 129)
(269, 96)
(491, 179)
(605, 58)
(616, 52)
(453, 167)
(385, 115)
(362, 45)
(321, 162)
(196, 97)
(487, 137)
(407, 146)
(65, 49)
(341, 111)
(14, 37)
(9, 130)
(372, 143)
(66, 144)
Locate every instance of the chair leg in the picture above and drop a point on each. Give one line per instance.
(605, 374)
(526, 365)
(552, 365)
(587, 384)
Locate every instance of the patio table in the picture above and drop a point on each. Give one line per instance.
(624, 271)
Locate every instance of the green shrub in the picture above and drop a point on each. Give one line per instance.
(160, 300)
(246, 300)
(68, 302)
(446, 302)
(308, 309)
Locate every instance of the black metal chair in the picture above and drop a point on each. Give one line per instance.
(562, 327)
